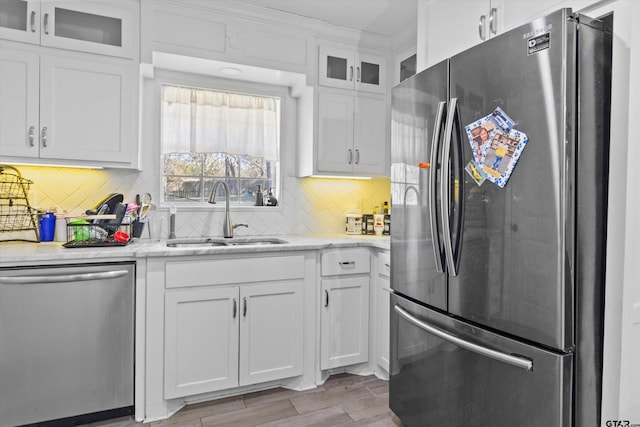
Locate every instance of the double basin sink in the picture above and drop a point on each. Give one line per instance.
(208, 242)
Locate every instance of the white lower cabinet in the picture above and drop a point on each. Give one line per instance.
(270, 332)
(201, 341)
(344, 316)
(221, 336)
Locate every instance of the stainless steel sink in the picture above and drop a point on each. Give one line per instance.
(254, 241)
(205, 242)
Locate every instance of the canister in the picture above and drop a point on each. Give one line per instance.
(47, 226)
(353, 223)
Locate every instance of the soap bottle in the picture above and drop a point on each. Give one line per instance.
(259, 197)
(271, 200)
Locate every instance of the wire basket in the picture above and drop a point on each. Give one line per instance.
(82, 233)
(16, 215)
(13, 185)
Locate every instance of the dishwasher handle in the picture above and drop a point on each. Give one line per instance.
(23, 280)
(513, 360)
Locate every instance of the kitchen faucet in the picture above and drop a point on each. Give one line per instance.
(228, 226)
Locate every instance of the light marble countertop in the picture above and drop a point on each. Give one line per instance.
(26, 253)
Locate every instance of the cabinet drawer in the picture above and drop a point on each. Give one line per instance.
(384, 264)
(345, 261)
(220, 271)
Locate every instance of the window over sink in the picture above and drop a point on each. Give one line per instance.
(213, 133)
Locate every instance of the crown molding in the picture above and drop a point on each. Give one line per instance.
(288, 21)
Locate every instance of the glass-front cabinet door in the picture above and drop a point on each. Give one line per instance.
(20, 20)
(105, 28)
(346, 69)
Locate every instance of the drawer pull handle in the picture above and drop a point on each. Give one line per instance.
(235, 308)
(347, 262)
(244, 308)
(326, 298)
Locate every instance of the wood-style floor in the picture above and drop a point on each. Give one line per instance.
(343, 400)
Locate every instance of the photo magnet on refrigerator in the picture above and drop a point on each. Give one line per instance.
(502, 154)
(496, 147)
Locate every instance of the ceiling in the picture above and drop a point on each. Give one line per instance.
(386, 17)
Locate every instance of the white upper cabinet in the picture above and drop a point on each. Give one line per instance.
(352, 134)
(107, 28)
(453, 26)
(210, 30)
(75, 109)
(347, 69)
(20, 20)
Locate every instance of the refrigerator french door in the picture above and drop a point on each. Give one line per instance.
(497, 305)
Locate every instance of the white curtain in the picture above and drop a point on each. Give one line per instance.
(206, 121)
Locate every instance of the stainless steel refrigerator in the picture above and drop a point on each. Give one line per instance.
(498, 287)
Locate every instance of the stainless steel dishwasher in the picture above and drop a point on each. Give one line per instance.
(66, 343)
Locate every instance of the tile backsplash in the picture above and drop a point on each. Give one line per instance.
(306, 205)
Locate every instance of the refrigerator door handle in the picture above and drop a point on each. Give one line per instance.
(433, 187)
(444, 188)
(510, 359)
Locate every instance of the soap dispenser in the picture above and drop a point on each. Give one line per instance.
(271, 200)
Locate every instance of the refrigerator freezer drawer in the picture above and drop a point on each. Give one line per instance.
(447, 372)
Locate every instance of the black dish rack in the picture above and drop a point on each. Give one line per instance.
(87, 233)
(18, 220)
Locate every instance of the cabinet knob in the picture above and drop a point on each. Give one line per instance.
(481, 28)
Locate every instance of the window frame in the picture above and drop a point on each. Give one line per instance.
(170, 77)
